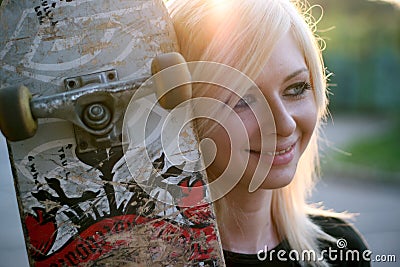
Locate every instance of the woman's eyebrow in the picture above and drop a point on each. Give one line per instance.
(294, 74)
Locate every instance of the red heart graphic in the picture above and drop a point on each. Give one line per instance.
(41, 232)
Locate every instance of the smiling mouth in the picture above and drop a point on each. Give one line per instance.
(276, 153)
(281, 152)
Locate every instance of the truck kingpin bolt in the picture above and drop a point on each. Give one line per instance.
(96, 116)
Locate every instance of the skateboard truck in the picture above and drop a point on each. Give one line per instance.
(95, 103)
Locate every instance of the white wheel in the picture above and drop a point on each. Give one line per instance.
(172, 80)
(16, 120)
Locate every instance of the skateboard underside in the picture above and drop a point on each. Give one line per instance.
(90, 200)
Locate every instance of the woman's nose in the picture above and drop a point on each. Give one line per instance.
(284, 122)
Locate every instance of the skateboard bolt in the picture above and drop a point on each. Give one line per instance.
(96, 116)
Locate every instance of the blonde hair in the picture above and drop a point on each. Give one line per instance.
(242, 34)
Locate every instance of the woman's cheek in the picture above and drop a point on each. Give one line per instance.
(306, 121)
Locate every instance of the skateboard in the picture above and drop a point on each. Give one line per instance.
(86, 112)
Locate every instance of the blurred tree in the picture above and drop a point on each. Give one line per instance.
(363, 52)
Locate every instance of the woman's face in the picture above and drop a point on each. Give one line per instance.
(285, 84)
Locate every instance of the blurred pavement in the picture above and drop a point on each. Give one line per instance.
(377, 204)
(12, 246)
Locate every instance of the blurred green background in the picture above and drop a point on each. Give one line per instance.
(363, 54)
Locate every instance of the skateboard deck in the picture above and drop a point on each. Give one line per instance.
(97, 186)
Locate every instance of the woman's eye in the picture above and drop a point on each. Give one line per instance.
(245, 101)
(297, 90)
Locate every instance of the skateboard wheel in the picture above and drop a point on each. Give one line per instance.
(172, 84)
(16, 120)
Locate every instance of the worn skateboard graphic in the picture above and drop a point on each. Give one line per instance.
(99, 180)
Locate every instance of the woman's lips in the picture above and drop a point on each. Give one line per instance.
(284, 156)
(280, 157)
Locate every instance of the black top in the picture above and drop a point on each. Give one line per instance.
(349, 250)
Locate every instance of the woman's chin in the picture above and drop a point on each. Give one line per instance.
(276, 179)
(275, 183)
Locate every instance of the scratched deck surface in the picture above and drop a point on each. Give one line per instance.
(82, 206)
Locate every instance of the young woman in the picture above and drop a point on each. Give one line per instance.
(273, 43)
